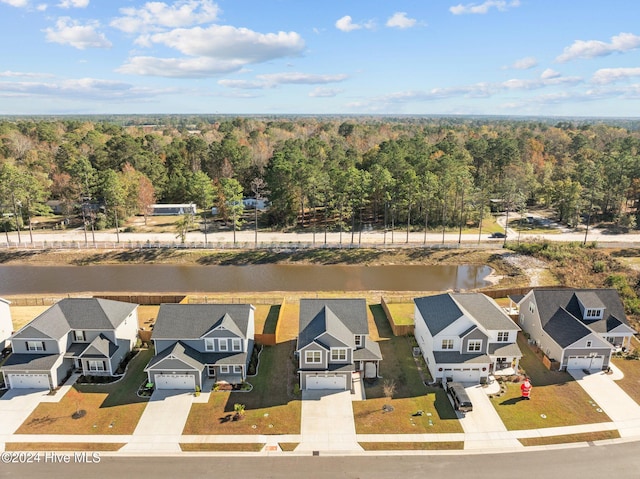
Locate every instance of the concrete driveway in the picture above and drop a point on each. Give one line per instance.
(610, 397)
(162, 422)
(482, 426)
(15, 407)
(327, 422)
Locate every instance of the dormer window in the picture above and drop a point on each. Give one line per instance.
(592, 313)
(78, 336)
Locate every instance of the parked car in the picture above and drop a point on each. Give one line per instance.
(461, 401)
(498, 235)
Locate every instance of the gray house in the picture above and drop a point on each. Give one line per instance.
(84, 334)
(465, 337)
(6, 324)
(334, 344)
(579, 328)
(196, 342)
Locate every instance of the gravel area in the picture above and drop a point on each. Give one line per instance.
(532, 267)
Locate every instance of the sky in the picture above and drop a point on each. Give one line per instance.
(330, 57)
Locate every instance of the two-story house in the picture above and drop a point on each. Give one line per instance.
(6, 324)
(334, 343)
(196, 342)
(84, 334)
(465, 337)
(579, 328)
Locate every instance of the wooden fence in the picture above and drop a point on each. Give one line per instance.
(398, 329)
(279, 323)
(144, 299)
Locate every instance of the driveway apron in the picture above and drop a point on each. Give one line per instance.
(483, 427)
(162, 422)
(610, 397)
(15, 407)
(327, 422)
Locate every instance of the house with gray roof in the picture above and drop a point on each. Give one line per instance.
(334, 344)
(578, 328)
(196, 343)
(88, 335)
(6, 324)
(465, 337)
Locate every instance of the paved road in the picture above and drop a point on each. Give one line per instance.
(619, 461)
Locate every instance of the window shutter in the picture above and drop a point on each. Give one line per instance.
(26, 345)
(44, 346)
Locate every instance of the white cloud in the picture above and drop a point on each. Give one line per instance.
(16, 3)
(301, 78)
(227, 42)
(198, 67)
(400, 20)
(620, 43)
(157, 16)
(522, 64)
(80, 89)
(346, 24)
(271, 80)
(73, 4)
(71, 32)
(11, 74)
(549, 73)
(42, 7)
(611, 75)
(321, 92)
(472, 8)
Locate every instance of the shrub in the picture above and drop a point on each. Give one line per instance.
(389, 388)
(599, 266)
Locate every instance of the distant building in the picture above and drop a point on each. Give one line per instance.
(173, 209)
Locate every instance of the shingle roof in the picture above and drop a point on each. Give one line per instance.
(101, 346)
(454, 357)
(564, 328)
(77, 313)
(341, 318)
(504, 349)
(195, 359)
(30, 362)
(370, 351)
(192, 321)
(441, 310)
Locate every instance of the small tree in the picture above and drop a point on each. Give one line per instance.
(183, 226)
(239, 410)
(389, 388)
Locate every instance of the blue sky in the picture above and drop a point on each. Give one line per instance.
(502, 57)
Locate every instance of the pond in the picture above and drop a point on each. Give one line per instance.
(151, 278)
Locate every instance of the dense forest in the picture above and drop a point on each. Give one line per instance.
(332, 172)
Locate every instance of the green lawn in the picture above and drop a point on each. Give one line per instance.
(109, 408)
(270, 408)
(631, 381)
(402, 313)
(556, 399)
(411, 394)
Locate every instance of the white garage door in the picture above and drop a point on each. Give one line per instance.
(464, 375)
(326, 382)
(28, 381)
(585, 362)
(175, 381)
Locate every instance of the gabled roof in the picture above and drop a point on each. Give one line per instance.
(77, 313)
(193, 321)
(180, 352)
(101, 346)
(565, 328)
(442, 310)
(341, 319)
(549, 301)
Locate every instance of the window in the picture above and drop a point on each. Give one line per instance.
(358, 340)
(592, 313)
(209, 345)
(236, 344)
(532, 308)
(237, 369)
(35, 346)
(224, 369)
(96, 366)
(313, 357)
(223, 345)
(211, 371)
(503, 336)
(474, 345)
(447, 344)
(79, 336)
(589, 343)
(339, 354)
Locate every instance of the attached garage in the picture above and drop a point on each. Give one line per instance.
(463, 375)
(175, 381)
(330, 381)
(585, 362)
(28, 381)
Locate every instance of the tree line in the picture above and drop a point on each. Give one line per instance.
(323, 172)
